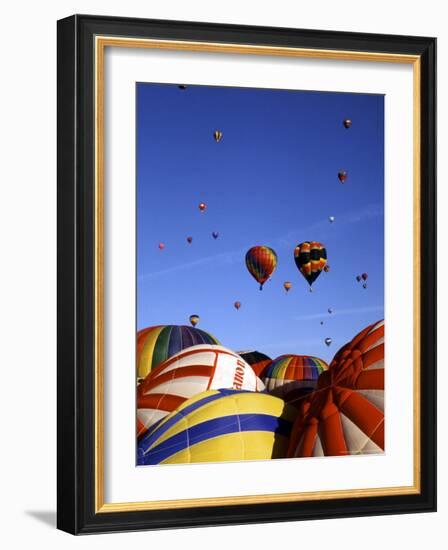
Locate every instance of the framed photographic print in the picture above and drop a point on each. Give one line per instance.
(246, 274)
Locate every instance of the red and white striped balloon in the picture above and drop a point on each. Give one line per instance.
(189, 372)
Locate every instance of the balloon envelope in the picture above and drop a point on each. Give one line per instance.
(328, 341)
(311, 259)
(257, 360)
(202, 206)
(191, 371)
(287, 286)
(220, 425)
(342, 175)
(194, 319)
(261, 262)
(346, 413)
(291, 377)
(157, 344)
(347, 123)
(189, 240)
(217, 134)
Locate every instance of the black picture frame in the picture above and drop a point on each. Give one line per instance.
(76, 254)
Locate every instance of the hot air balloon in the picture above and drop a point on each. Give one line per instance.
(237, 305)
(327, 268)
(347, 123)
(328, 341)
(342, 175)
(161, 246)
(220, 425)
(330, 311)
(311, 259)
(215, 234)
(257, 360)
(261, 262)
(364, 285)
(194, 319)
(291, 377)
(287, 286)
(191, 371)
(364, 276)
(321, 322)
(159, 343)
(358, 278)
(217, 135)
(182, 87)
(202, 206)
(345, 415)
(189, 240)
(331, 219)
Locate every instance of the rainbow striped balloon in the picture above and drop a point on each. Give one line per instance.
(291, 377)
(220, 425)
(261, 262)
(189, 372)
(159, 343)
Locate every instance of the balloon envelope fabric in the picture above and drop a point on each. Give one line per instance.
(220, 425)
(346, 413)
(257, 360)
(159, 343)
(187, 373)
(291, 377)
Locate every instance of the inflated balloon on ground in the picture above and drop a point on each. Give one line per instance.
(191, 371)
(220, 425)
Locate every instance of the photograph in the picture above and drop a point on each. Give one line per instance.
(260, 274)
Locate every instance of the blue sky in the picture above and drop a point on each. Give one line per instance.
(272, 181)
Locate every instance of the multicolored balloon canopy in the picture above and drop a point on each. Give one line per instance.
(159, 343)
(291, 377)
(261, 262)
(217, 426)
(311, 259)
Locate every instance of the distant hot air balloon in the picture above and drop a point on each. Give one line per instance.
(217, 135)
(365, 276)
(182, 87)
(345, 416)
(364, 285)
(342, 175)
(321, 322)
(217, 426)
(287, 286)
(261, 262)
(331, 219)
(237, 305)
(358, 278)
(202, 206)
(189, 240)
(327, 268)
(311, 259)
(347, 123)
(328, 341)
(158, 343)
(191, 371)
(161, 246)
(330, 311)
(215, 234)
(194, 319)
(257, 360)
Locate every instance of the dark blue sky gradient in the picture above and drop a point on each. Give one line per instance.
(272, 180)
